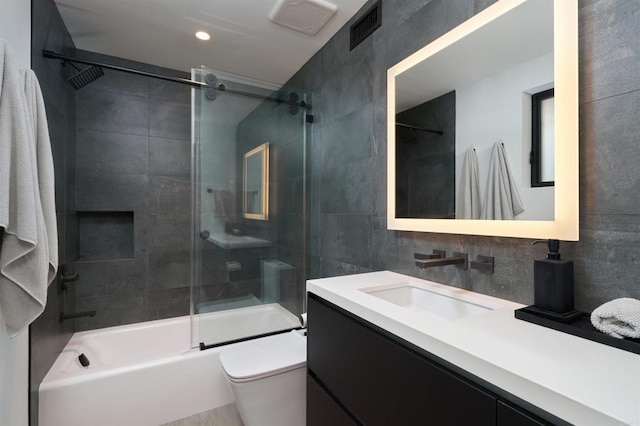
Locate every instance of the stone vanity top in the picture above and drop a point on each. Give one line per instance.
(580, 381)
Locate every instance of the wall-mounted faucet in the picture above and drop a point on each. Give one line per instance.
(483, 264)
(438, 258)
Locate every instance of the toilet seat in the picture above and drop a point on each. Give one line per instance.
(264, 357)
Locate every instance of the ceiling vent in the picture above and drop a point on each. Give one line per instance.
(307, 16)
(367, 24)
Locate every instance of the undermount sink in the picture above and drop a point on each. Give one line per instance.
(439, 302)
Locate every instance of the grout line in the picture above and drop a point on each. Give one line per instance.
(609, 97)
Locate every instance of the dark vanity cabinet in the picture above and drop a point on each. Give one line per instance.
(509, 414)
(360, 374)
(325, 410)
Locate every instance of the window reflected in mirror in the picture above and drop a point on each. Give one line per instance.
(542, 138)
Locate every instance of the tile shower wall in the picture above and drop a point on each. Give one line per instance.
(47, 336)
(348, 211)
(133, 196)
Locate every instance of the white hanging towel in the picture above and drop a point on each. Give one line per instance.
(502, 199)
(24, 249)
(469, 204)
(618, 318)
(44, 157)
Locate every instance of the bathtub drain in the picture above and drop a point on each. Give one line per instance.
(84, 361)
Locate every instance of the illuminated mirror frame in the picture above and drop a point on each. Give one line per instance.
(565, 223)
(262, 150)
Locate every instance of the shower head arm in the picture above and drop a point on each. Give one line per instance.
(69, 59)
(72, 64)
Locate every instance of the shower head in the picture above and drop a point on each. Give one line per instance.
(86, 76)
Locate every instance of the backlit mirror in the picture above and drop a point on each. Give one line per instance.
(255, 187)
(462, 119)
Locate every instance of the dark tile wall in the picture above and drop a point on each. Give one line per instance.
(348, 195)
(47, 336)
(425, 162)
(285, 132)
(133, 162)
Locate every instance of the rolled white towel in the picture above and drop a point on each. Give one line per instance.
(303, 320)
(618, 318)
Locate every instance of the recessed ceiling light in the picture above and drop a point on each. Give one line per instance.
(202, 35)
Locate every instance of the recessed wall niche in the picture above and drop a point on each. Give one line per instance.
(105, 235)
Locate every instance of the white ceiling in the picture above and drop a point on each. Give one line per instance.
(161, 32)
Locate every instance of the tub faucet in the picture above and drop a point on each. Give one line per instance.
(64, 316)
(439, 258)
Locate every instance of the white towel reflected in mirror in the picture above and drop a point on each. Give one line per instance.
(468, 205)
(502, 200)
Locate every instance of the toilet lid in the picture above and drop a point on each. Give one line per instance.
(265, 356)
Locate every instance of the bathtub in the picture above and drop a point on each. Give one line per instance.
(148, 373)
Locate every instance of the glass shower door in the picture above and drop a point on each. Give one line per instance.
(249, 155)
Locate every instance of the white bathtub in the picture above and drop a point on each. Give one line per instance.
(147, 373)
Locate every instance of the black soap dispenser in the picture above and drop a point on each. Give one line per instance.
(553, 282)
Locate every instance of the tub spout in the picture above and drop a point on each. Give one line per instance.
(64, 316)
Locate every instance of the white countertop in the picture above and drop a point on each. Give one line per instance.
(580, 381)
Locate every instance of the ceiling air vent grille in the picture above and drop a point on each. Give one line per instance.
(366, 25)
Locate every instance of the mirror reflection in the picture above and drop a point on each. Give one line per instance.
(255, 198)
(465, 122)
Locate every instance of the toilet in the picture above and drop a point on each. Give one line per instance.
(268, 379)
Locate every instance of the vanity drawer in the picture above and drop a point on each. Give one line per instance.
(382, 382)
(322, 410)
